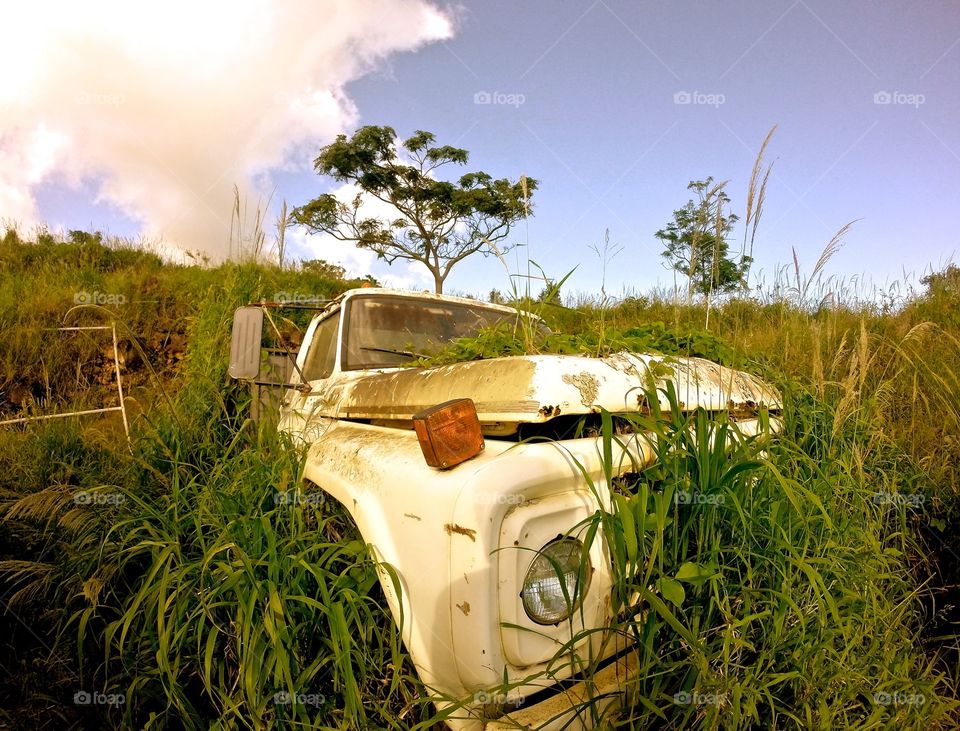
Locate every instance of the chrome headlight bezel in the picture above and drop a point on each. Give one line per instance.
(560, 563)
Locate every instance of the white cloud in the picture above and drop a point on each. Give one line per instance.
(164, 108)
(357, 262)
(401, 274)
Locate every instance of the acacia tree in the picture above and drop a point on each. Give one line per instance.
(696, 241)
(438, 223)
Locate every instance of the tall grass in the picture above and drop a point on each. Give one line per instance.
(781, 582)
(756, 197)
(200, 580)
(785, 574)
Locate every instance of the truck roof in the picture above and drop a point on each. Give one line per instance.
(425, 294)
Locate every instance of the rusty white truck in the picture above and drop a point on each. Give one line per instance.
(472, 484)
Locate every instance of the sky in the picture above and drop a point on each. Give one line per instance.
(141, 122)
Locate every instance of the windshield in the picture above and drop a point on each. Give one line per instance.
(387, 332)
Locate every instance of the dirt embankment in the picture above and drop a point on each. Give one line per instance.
(87, 377)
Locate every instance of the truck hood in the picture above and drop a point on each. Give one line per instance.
(536, 388)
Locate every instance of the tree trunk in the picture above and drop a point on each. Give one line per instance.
(438, 283)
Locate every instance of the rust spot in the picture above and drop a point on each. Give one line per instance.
(548, 412)
(452, 528)
(741, 409)
(465, 608)
(586, 384)
(411, 515)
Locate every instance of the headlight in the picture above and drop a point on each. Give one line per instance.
(556, 566)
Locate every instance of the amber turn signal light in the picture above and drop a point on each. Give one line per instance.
(449, 433)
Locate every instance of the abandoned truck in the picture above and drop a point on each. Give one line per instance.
(481, 527)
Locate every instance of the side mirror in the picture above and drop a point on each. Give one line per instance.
(245, 343)
(247, 354)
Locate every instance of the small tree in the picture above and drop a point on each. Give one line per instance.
(696, 241)
(945, 282)
(438, 223)
(323, 268)
(85, 238)
(550, 294)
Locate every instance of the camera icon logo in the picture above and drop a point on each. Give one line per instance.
(483, 698)
(682, 97)
(883, 97)
(482, 97)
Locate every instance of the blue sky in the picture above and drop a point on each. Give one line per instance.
(585, 99)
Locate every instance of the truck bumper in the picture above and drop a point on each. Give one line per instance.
(577, 707)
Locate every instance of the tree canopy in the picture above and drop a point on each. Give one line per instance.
(438, 223)
(695, 241)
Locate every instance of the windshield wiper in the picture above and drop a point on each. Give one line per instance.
(407, 353)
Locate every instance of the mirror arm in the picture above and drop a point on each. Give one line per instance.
(304, 385)
(301, 387)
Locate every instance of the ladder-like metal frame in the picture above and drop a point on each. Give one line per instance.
(116, 364)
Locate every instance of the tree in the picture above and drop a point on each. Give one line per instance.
(946, 282)
(85, 238)
(550, 294)
(696, 241)
(439, 223)
(323, 268)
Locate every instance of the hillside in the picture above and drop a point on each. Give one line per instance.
(167, 589)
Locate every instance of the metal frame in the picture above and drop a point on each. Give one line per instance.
(318, 305)
(116, 364)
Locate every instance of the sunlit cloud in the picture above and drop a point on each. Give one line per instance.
(162, 109)
(356, 261)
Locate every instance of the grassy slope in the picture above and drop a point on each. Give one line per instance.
(207, 595)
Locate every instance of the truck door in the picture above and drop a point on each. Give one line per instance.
(318, 362)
